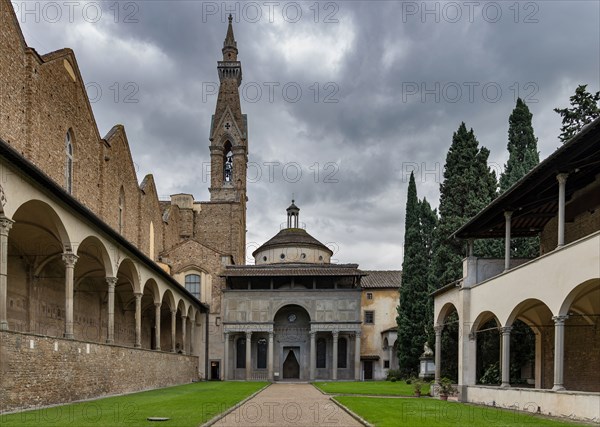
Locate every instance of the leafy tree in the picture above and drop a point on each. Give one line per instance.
(584, 109)
(469, 185)
(415, 310)
(522, 157)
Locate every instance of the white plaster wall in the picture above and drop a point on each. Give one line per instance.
(561, 403)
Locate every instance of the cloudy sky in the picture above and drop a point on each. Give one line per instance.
(343, 98)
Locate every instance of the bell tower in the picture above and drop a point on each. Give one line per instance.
(229, 130)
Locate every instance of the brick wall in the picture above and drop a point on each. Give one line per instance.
(59, 371)
(582, 355)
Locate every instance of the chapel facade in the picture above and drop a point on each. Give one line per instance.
(293, 315)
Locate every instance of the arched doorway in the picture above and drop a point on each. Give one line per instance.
(292, 342)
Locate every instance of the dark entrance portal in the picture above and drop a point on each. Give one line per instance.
(214, 371)
(291, 367)
(368, 369)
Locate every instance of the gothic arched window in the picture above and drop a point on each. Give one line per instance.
(227, 162)
(69, 163)
(240, 353)
(342, 353)
(321, 353)
(261, 354)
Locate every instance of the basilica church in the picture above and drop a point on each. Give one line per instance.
(106, 289)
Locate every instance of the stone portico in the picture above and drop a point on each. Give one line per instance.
(293, 315)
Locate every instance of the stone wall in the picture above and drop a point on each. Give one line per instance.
(37, 370)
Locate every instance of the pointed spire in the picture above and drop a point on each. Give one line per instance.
(230, 45)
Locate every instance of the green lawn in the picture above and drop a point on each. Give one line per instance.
(186, 405)
(375, 388)
(432, 412)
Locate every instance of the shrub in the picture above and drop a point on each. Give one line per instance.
(393, 379)
(394, 373)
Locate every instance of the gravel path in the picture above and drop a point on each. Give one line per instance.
(288, 405)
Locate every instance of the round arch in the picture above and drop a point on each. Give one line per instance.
(483, 318)
(169, 298)
(181, 307)
(152, 288)
(584, 298)
(445, 311)
(41, 218)
(93, 248)
(531, 311)
(129, 271)
(190, 268)
(284, 305)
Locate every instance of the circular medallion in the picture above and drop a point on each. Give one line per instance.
(291, 318)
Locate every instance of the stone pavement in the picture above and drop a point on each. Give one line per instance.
(285, 404)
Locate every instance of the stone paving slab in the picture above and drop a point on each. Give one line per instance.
(288, 405)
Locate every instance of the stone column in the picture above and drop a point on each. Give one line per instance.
(313, 354)
(248, 355)
(110, 333)
(192, 338)
(69, 258)
(157, 325)
(505, 355)
(5, 226)
(562, 182)
(183, 332)
(438, 352)
(173, 330)
(507, 219)
(559, 351)
(357, 356)
(138, 320)
(334, 368)
(225, 358)
(270, 357)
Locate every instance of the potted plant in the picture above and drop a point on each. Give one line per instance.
(417, 385)
(446, 388)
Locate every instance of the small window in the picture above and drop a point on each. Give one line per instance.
(192, 284)
(369, 317)
(369, 295)
(386, 364)
(282, 256)
(303, 256)
(264, 258)
(69, 163)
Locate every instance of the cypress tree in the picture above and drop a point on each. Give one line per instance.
(522, 157)
(468, 186)
(429, 222)
(415, 311)
(584, 110)
(522, 146)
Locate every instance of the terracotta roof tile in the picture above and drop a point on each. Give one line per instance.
(381, 279)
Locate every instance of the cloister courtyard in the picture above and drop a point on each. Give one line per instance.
(226, 403)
